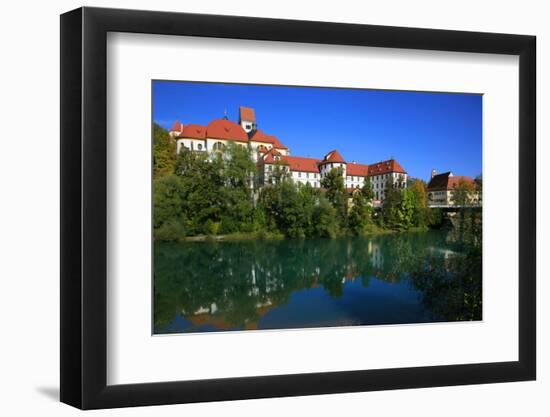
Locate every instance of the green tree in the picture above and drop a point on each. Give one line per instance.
(421, 216)
(168, 207)
(406, 209)
(391, 205)
(367, 190)
(324, 219)
(202, 188)
(280, 173)
(164, 152)
(333, 183)
(360, 214)
(238, 176)
(468, 222)
(463, 194)
(308, 198)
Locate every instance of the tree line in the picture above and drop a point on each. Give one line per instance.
(196, 194)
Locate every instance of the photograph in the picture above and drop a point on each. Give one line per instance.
(285, 207)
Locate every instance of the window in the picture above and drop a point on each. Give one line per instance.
(199, 146)
(218, 147)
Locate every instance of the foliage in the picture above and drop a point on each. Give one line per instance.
(421, 213)
(324, 219)
(464, 193)
(391, 205)
(238, 174)
(289, 208)
(168, 201)
(407, 208)
(360, 214)
(216, 195)
(468, 220)
(333, 183)
(368, 191)
(164, 152)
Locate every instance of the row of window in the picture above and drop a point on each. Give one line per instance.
(308, 174)
(377, 185)
(218, 146)
(352, 178)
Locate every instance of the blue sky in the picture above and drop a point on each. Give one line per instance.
(421, 130)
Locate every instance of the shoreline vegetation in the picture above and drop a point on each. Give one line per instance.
(201, 198)
(261, 235)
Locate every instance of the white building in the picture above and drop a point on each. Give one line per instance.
(270, 155)
(311, 171)
(217, 134)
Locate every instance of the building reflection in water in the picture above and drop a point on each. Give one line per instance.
(208, 286)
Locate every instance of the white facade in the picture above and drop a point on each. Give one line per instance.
(201, 145)
(248, 125)
(303, 177)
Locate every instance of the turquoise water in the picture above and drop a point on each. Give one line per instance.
(248, 285)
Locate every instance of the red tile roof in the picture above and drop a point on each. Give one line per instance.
(176, 127)
(386, 167)
(358, 170)
(298, 163)
(247, 113)
(260, 136)
(278, 144)
(447, 181)
(194, 131)
(333, 156)
(227, 130)
(269, 157)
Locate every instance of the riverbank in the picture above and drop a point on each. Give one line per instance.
(235, 236)
(241, 236)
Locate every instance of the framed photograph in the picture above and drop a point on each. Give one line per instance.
(257, 208)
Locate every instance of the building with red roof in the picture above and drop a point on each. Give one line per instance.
(258, 139)
(441, 188)
(220, 132)
(268, 152)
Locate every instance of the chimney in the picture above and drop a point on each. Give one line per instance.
(434, 173)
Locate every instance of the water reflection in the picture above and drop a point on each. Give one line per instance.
(406, 278)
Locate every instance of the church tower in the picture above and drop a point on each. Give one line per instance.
(247, 119)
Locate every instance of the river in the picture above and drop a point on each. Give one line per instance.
(280, 284)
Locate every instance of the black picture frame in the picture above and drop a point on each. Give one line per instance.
(84, 207)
